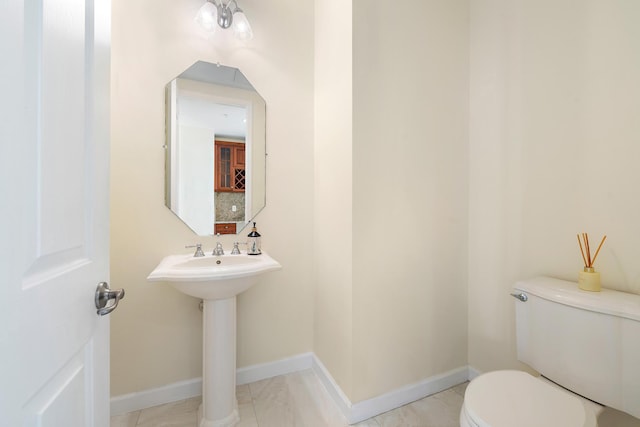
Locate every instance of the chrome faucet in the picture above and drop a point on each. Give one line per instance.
(198, 247)
(218, 250)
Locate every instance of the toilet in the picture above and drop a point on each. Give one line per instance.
(585, 345)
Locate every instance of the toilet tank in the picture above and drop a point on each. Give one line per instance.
(588, 342)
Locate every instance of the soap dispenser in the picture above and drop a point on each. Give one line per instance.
(253, 242)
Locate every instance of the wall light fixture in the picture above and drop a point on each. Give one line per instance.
(225, 15)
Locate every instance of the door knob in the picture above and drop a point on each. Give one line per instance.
(103, 295)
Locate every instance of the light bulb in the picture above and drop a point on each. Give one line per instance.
(206, 16)
(241, 27)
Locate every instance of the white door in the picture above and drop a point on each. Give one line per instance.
(54, 148)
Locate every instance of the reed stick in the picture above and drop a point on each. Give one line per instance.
(585, 236)
(598, 250)
(581, 250)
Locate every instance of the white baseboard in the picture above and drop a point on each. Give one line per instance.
(399, 397)
(334, 390)
(473, 372)
(360, 411)
(354, 413)
(191, 388)
(263, 371)
(156, 396)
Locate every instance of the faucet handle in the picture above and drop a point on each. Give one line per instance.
(198, 247)
(236, 249)
(218, 250)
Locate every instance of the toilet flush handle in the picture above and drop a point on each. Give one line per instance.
(521, 296)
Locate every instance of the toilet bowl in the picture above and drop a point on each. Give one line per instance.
(517, 399)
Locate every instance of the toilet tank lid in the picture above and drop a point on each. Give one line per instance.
(607, 301)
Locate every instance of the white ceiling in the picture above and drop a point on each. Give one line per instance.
(225, 120)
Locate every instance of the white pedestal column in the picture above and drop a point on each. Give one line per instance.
(219, 405)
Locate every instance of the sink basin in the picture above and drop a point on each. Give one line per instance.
(213, 277)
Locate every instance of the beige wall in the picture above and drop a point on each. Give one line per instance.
(390, 193)
(156, 331)
(410, 96)
(333, 331)
(554, 146)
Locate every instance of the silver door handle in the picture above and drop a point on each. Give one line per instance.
(103, 295)
(521, 296)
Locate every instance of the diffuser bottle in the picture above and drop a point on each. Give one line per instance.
(589, 278)
(253, 242)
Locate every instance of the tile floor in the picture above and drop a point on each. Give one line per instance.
(300, 400)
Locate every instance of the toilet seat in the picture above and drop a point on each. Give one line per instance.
(515, 398)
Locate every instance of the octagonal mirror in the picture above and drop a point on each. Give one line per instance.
(215, 149)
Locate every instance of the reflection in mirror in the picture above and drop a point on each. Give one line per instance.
(215, 149)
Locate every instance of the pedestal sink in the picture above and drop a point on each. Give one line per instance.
(217, 280)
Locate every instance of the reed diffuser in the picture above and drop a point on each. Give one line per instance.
(589, 278)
